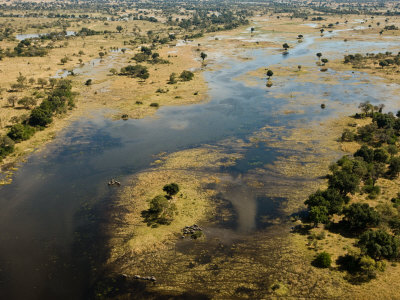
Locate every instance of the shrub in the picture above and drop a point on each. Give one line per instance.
(361, 268)
(323, 260)
(20, 132)
(155, 104)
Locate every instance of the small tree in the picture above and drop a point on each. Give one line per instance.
(172, 79)
(113, 71)
(171, 189)
(383, 63)
(119, 28)
(270, 73)
(52, 82)
(11, 100)
(42, 82)
(21, 80)
(161, 211)
(319, 55)
(285, 46)
(203, 56)
(64, 60)
(324, 61)
(101, 54)
(27, 102)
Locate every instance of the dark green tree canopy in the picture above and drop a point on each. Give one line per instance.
(171, 189)
(360, 216)
(379, 244)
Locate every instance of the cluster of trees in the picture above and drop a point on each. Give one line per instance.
(384, 128)
(381, 59)
(58, 100)
(184, 76)
(146, 54)
(226, 20)
(359, 173)
(25, 47)
(136, 71)
(161, 210)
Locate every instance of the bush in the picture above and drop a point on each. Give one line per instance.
(361, 268)
(155, 104)
(323, 260)
(186, 76)
(20, 132)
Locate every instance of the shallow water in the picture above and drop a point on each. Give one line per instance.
(51, 213)
(24, 36)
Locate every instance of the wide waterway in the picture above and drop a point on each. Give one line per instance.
(51, 214)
